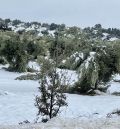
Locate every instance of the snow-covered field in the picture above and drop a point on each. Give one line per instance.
(71, 124)
(17, 105)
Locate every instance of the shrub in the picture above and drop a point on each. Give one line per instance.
(15, 54)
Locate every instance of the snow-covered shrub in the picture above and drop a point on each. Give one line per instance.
(88, 74)
(98, 68)
(73, 62)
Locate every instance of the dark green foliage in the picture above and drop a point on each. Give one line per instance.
(36, 23)
(46, 25)
(108, 61)
(15, 54)
(106, 67)
(27, 24)
(112, 31)
(45, 32)
(35, 49)
(31, 47)
(97, 32)
(57, 46)
(61, 27)
(100, 70)
(32, 32)
(83, 86)
(16, 22)
(4, 26)
(53, 26)
(7, 21)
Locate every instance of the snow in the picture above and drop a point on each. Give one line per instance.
(69, 77)
(17, 105)
(113, 39)
(114, 86)
(34, 65)
(77, 56)
(68, 123)
(32, 27)
(105, 35)
(92, 54)
(12, 27)
(40, 34)
(88, 106)
(51, 32)
(90, 58)
(63, 61)
(19, 29)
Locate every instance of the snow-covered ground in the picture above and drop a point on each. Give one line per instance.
(68, 77)
(17, 104)
(16, 98)
(68, 123)
(114, 86)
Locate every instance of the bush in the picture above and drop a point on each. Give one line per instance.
(16, 22)
(53, 26)
(15, 54)
(82, 86)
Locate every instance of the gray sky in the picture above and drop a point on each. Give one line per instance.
(81, 13)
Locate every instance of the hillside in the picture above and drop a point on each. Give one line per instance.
(40, 29)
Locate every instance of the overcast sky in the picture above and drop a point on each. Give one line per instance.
(81, 13)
